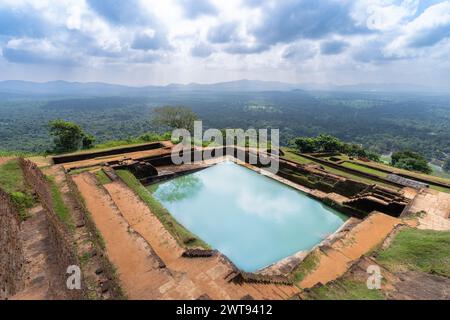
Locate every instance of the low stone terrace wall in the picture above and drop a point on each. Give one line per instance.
(352, 171)
(322, 181)
(198, 253)
(405, 175)
(210, 153)
(11, 254)
(95, 154)
(60, 236)
(325, 154)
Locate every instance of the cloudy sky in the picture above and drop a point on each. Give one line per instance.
(141, 42)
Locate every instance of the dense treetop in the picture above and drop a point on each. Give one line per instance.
(410, 160)
(378, 122)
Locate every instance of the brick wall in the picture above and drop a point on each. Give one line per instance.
(11, 255)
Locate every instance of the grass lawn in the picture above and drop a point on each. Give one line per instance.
(102, 177)
(308, 265)
(11, 178)
(418, 250)
(4, 153)
(290, 155)
(12, 182)
(358, 178)
(345, 289)
(181, 234)
(86, 169)
(358, 167)
(439, 188)
(58, 204)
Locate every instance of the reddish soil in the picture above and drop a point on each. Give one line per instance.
(41, 277)
(137, 269)
(4, 159)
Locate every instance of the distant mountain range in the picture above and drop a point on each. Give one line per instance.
(65, 88)
(98, 88)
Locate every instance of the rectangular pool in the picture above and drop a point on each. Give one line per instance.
(251, 218)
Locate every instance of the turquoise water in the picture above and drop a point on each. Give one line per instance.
(253, 219)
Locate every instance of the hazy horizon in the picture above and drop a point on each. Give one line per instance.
(139, 43)
(250, 85)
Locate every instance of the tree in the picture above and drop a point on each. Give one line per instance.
(447, 165)
(373, 156)
(67, 135)
(321, 143)
(327, 143)
(410, 160)
(305, 145)
(174, 118)
(87, 142)
(152, 136)
(414, 165)
(397, 156)
(354, 150)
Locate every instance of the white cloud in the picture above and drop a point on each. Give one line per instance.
(225, 40)
(425, 31)
(384, 15)
(41, 51)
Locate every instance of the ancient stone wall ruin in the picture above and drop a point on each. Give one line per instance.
(319, 179)
(59, 232)
(95, 154)
(11, 255)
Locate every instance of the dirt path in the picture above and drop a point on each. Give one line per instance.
(334, 261)
(41, 279)
(138, 270)
(5, 159)
(183, 278)
(436, 206)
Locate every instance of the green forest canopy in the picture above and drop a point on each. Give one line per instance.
(383, 123)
